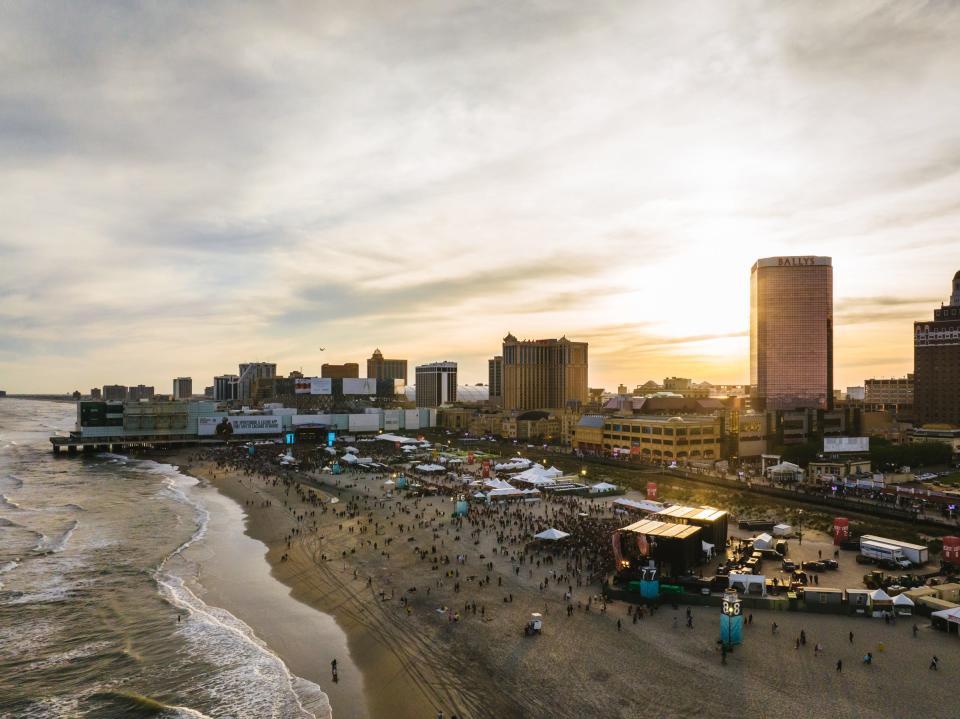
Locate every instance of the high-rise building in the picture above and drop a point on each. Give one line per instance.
(436, 384)
(182, 388)
(250, 372)
(141, 391)
(114, 393)
(380, 368)
(543, 374)
(936, 364)
(791, 333)
(495, 379)
(350, 370)
(95, 393)
(226, 387)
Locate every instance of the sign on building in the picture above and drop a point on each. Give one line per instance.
(361, 386)
(846, 444)
(257, 424)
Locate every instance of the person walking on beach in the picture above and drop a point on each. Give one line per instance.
(915, 630)
(333, 669)
(934, 662)
(851, 637)
(839, 665)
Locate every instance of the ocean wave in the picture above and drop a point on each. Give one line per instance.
(15, 481)
(46, 546)
(9, 566)
(8, 503)
(255, 679)
(137, 705)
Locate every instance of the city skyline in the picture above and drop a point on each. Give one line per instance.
(190, 190)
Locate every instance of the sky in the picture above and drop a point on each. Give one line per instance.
(187, 186)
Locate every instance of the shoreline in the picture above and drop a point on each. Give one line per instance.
(351, 696)
(417, 659)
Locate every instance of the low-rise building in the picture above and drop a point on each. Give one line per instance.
(667, 439)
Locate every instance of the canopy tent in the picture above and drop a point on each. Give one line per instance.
(903, 605)
(602, 487)
(365, 460)
(330, 450)
(351, 450)
(880, 596)
(948, 615)
(644, 505)
(551, 534)
(389, 483)
(781, 530)
(513, 465)
(349, 458)
(429, 468)
(395, 438)
(763, 541)
(497, 484)
(479, 495)
(748, 583)
(504, 493)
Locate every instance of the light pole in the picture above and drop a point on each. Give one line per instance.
(800, 531)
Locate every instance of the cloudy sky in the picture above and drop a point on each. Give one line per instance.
(186, 186)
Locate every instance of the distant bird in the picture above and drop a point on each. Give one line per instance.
(322, 349)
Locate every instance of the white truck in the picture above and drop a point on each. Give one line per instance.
(915, 553)
(883, 552)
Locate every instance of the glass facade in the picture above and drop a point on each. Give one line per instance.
(791, 332)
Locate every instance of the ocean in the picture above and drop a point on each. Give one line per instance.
(98, 613)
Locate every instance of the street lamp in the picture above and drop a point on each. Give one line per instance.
(800, 530)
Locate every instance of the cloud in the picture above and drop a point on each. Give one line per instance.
(433, 173)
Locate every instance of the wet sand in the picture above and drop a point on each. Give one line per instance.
(482, 666)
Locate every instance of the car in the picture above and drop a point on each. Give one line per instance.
(831, 563)
(787, 566)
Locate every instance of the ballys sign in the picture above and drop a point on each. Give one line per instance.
(796, 261)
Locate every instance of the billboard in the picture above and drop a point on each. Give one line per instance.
(313, 385)
(362, 386)
(252, 424)
(846, 444)
(364, 422)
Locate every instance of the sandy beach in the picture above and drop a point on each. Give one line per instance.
(353, 562)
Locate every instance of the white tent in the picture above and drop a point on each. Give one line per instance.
(644, 505)
(878, 595)
(513, 465)
(748, 583)
(429, 468)
(602, 487)
(352, 450)
(389, 483)
(903, 605)
(497, 484)
(551, 534)
(763, 541)
(950, 615)
(329, 450)
(395, 438)
(349, 459)
(781, 530)
(504, 493)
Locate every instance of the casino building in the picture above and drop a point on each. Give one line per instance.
(936, 362)
(791, 333)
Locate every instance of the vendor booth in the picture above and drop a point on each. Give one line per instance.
(902, 605)
(947, 620)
